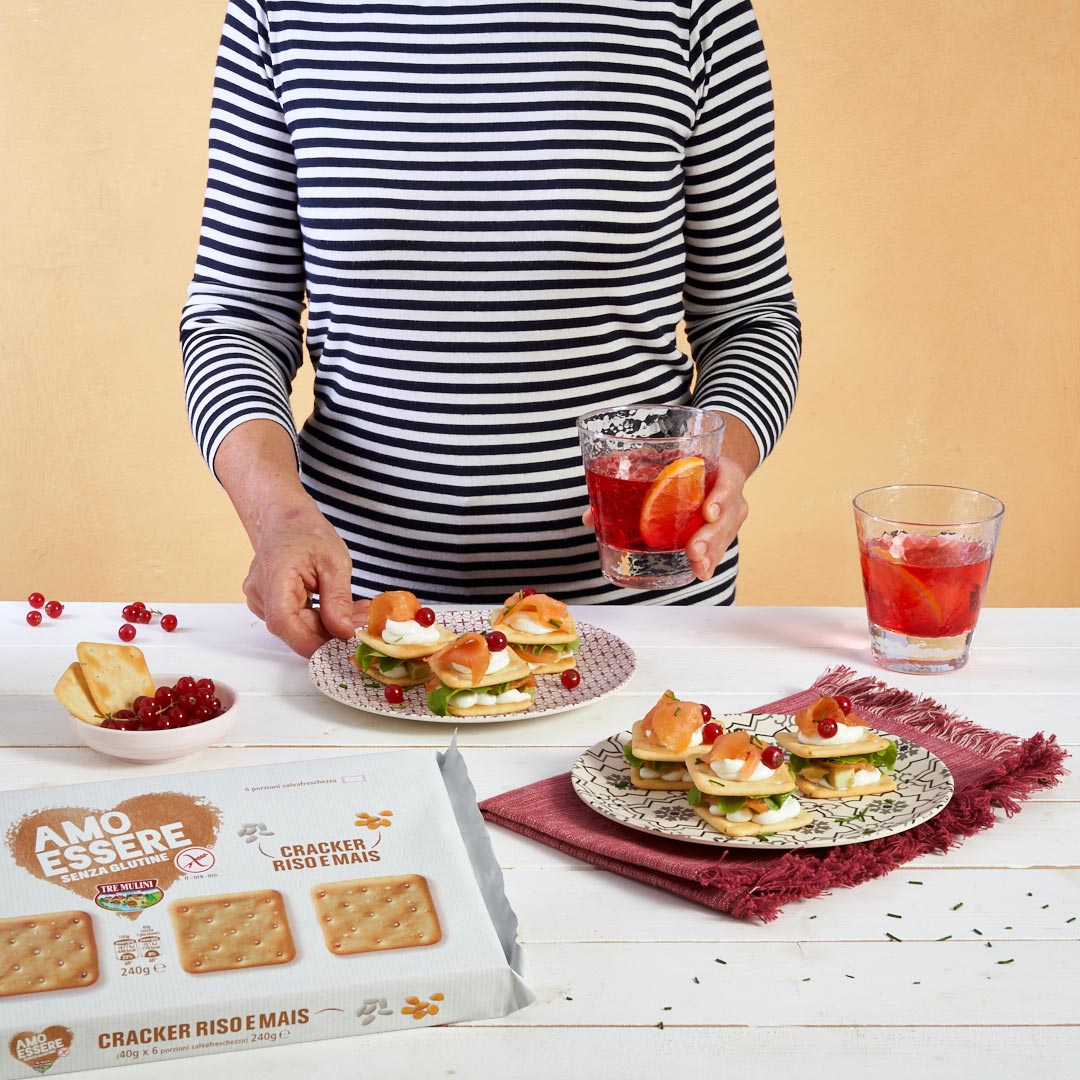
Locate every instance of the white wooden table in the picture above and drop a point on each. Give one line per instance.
(822, 989)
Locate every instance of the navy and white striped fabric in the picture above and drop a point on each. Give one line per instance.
(498, 211)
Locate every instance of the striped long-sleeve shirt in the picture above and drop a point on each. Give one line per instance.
(498, 211)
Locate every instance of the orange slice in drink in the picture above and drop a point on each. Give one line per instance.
(672, 502)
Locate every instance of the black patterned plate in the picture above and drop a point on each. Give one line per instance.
(605, 662)
(601, 778)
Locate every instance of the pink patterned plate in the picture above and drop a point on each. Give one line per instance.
(605, 661)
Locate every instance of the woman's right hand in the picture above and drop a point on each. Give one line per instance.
(297, 552)
(297, 556)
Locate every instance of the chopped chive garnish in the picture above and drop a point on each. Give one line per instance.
(892, 916)
(974, 931)
(807, 979)
(846, 976)
(667, 1008)
(697, 980)
(719, 961)
(1067, 921)
(957, 907)
(914, 882)
(661, 1025)
(1045, 906)
(892, 937)
(947, 937)
(1004, 961)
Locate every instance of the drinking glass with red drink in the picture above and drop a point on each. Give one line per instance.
(925, 552)
(648, 470)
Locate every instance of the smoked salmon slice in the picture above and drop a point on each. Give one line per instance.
(673, 722)
(400, 606)
(543, 609)
(733, 746)
(470, 651)
(808, 719)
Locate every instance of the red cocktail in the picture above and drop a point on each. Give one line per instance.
(926, 586)
(639, 508)
(925, 551)
(648, 469)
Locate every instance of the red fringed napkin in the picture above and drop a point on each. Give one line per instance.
(990, 770)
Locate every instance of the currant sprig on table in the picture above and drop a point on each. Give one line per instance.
(138, 612)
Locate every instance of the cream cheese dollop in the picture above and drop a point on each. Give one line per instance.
(526, 624)
(844, 734)
(410, 632)
(730, 768)
(466, 699)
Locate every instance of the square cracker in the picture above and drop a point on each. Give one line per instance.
(751, 828)
(56, 951)
(377, 913)
(707, 781)
(73, 693)
(231, 931)
(115, 674)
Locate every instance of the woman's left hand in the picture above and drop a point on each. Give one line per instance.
(725, 510)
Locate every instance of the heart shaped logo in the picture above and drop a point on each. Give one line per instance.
(83, 849)
(41, 1049)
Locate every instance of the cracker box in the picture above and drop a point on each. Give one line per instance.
(167, 916)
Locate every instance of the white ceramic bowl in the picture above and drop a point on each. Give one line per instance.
(150, 747)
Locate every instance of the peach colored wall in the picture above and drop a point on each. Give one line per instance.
(929, 179)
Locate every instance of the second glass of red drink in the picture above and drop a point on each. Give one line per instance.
(925, 552)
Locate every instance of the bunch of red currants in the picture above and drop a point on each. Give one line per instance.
(190, 701)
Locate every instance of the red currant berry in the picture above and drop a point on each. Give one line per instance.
(147, 713)
(54, 609)
(123, 714)
(175, 717)
(202, 714)
(844, 703)
(126, 632)
(571, 677)
(33, 618)
(36, 599)
(141, 702)
(425, 616)
(828, 728)
(130, 613)
(138, 605)
(205, 684)
(394, 694)
(711, 732)
(143, 615)
(185, 684)
(772, 757)
(496, 640)
(216, 707)
(528, 591)
(163, 695)
(168, 623)
(706, 714)
(109, 723)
